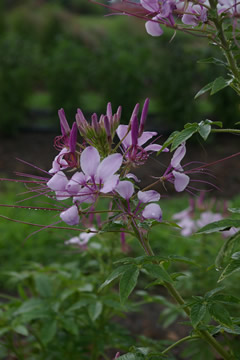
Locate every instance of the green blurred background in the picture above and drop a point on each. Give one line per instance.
(65, 53)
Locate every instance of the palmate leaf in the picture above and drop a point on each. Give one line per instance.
(128, 282)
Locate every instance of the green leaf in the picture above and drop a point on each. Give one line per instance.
(128, 282)
(21, 329)
(70, 325)
(95, 310)
(129, 356)
(114, 275)
(183, 259)
(220, 314)
(184, 135)
(78, 305)
(30, 305)
(158, 272)
(48, 331)
(234, 210)
(210, 293)
(204, 130)
(226, 299)
(168, 141)
(43, 285)
(219, 84)
(219, 225)
(113, 226)
(206, 88)
(198, 311)
(226, 250)
(231, 268)
(212, 60)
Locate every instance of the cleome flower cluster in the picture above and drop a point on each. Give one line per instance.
(99, 164)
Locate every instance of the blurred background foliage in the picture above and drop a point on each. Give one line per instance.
(67, 54)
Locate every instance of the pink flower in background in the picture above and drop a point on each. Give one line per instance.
(82, 239)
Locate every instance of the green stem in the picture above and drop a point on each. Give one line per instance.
(179, 342)
(231, 131)
(226, 49)
(204, 334)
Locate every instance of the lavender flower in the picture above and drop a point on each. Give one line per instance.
(133, 138)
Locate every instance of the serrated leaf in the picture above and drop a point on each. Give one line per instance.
(114, 275)
(210, 293)
(128, 282)
(21, 329)
(219, 225)
(231, 268)
(48, 331)
(183, 136)
(220, 314)
(158, 272)
(43, 285)
(198, 311)
(219, 84)
(95, 310)
(206, 88)
(226, 299)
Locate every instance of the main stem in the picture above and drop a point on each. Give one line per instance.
(226, 49)
(204, 334)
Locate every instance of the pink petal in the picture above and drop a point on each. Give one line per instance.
(155, 147)
(85, 195)
(76, 182)
(132, 176)
(153, 28)
(178, 156)
(70, 216)
(148, 196)
(62, 195)
(125, 189)
(90, 160)
(110, 184)
(150, 5)
(109, 166)
(58, 181)
(121, 132)
(181, 181)
(59, 163)
(146, 135)
(152, 211)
